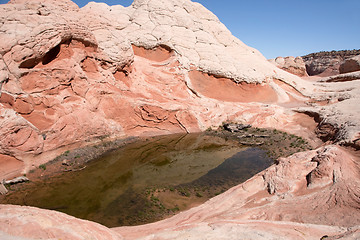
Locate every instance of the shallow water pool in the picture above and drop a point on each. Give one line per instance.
(146, 180)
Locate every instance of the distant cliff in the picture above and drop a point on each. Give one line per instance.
(317, 63)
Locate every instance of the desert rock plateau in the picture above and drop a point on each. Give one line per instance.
(71, 77)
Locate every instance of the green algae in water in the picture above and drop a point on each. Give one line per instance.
(118, 189)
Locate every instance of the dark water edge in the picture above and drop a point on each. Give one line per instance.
(146, 180)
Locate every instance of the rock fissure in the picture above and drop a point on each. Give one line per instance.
(180, 124)
(146, 126)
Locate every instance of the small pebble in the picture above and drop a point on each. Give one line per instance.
(65, 162)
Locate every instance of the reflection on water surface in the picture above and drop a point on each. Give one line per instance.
(147, 180)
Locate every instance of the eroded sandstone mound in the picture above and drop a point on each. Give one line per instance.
(291, 64)
(350, 65)
(327, 63)
(18, 222)
(70, 77)
(336, 93)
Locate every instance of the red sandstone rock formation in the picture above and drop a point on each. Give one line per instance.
(70, 76)
(18, 222)
(66, 82)
(350, 65)
(291, 64)
(327, 63)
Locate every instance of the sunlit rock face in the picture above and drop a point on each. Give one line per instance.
(18, 222)
(350, 65)
(291, 64)
(327, 63)
(70, 77)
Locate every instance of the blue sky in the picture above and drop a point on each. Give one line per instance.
(285, 27)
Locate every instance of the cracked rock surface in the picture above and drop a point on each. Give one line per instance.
(71, 77)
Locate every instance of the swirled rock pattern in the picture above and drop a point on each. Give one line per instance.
(71, 77)
(196, 34)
